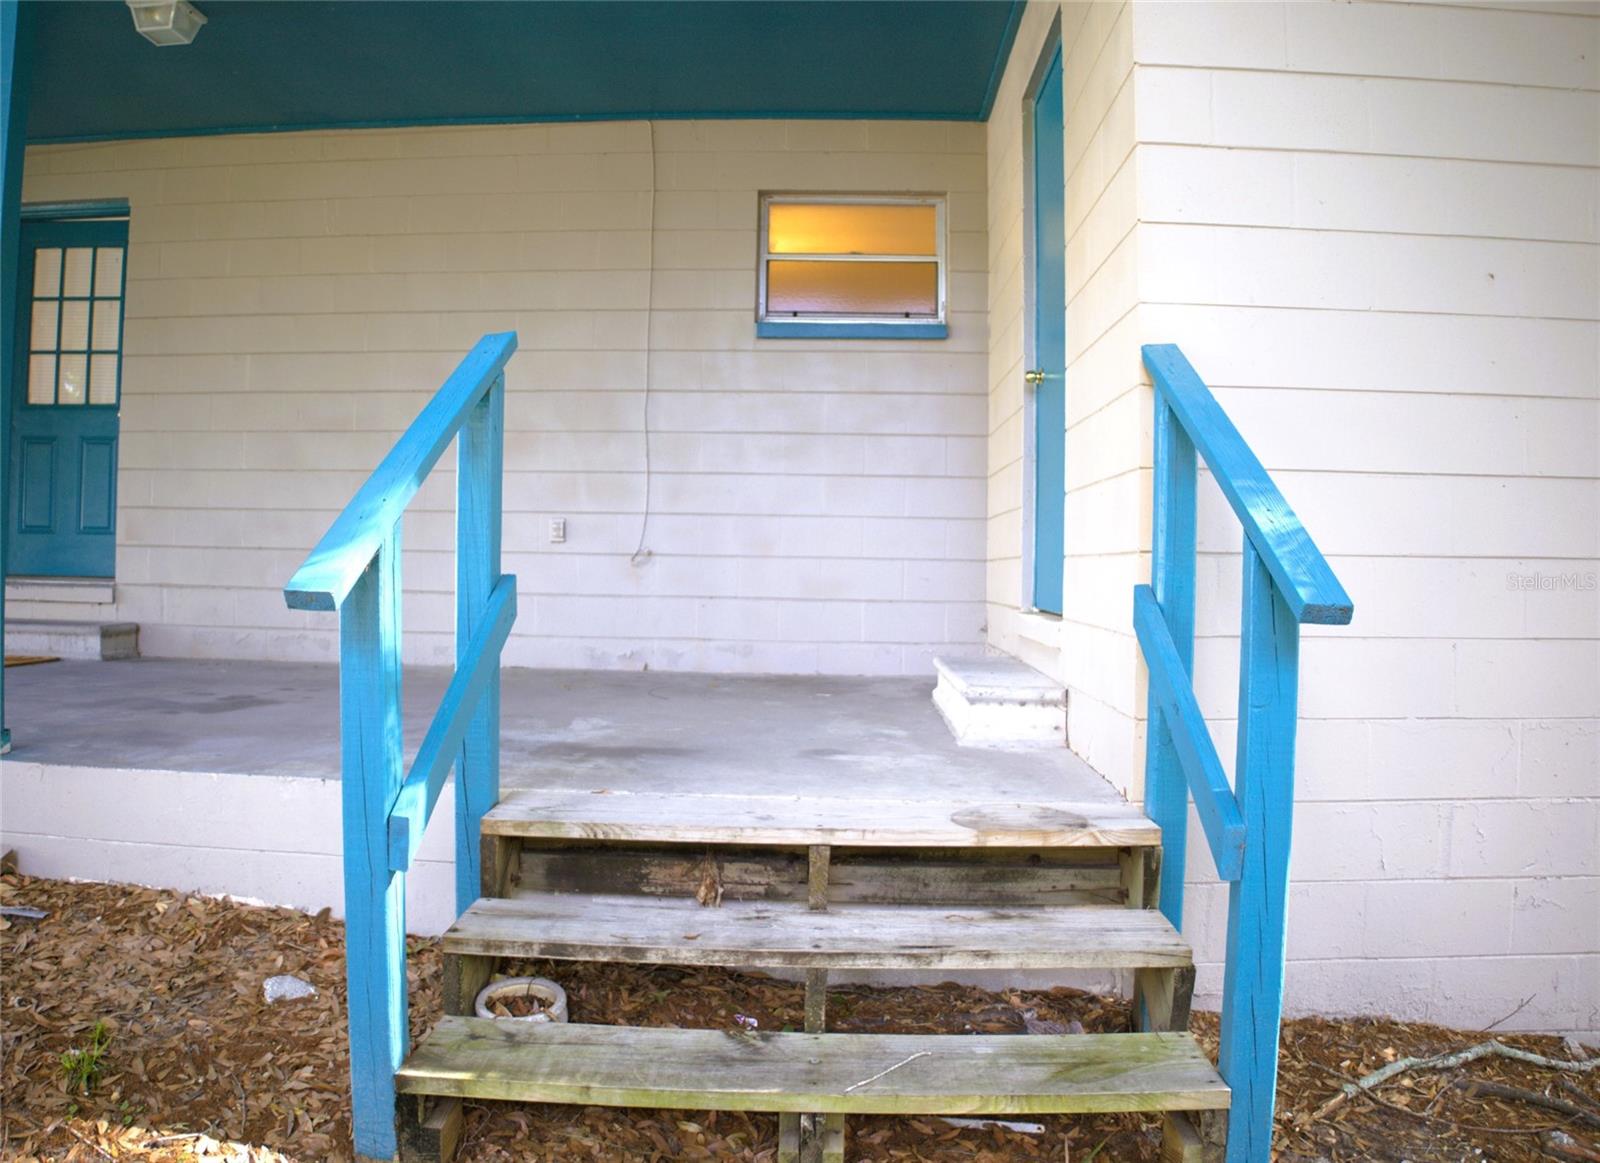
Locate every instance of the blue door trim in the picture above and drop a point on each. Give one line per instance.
(62, 211)
(1049, 282)
(16, 67)
(61, 478)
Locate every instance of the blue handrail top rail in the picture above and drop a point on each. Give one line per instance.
(1302, 574)
(337, 563)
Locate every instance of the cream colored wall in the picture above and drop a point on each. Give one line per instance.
(1373, 229)
(1399, 309)
(1090, 647)
(293, 298)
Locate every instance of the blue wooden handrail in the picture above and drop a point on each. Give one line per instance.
(1297, 566)
(415, 801)
(1214, 801)
(1287, 582)
(336, 564)
(355, 569)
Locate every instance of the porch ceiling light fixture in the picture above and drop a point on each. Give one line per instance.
(166, 21)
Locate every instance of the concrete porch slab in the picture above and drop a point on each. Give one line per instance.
(223, 777)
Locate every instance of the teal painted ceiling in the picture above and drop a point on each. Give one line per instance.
(289, 64)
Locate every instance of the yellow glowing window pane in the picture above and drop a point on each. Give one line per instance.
(42, 379)
(102, 379)
(75, 279)
(108, 271)
(843, 228)
(73, 379)
(853, 288)
(47, 271)
(43, 335)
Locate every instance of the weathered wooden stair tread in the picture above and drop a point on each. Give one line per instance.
(646, 817)
(844, 1073)
(649, 930)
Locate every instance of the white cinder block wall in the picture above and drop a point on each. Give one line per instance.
(1373, 229)
(293, 298)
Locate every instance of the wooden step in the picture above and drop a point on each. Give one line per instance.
(677, 818)
(769, 934)
(830, 1073)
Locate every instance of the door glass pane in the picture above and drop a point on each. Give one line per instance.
(80, 261)
(42, 379)
(841, 228)
(102, 379)
(108, 271)
(72, 379)
(853, 288)
(74, 325)
(47, 271)
(44, 325)
(107, 324)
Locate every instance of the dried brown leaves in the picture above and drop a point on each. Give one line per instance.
(200, 1067)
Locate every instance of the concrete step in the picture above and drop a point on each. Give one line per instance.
(1000, 702)
(95, 640)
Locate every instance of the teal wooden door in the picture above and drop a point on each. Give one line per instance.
(61, 516)
(1049, 373)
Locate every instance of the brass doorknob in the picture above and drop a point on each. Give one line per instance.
(1034, 376)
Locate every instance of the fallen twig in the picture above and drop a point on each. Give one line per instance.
(1491, 1048)
(887, 1070)
(93, 1146)
(1470, 1128)
(1518, 1094)
(1563, 1146)
(1521, 1005)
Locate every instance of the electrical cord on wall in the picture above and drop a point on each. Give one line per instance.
(640, 553)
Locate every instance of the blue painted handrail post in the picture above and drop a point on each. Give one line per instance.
(1172, 570)
(374, 896)
(355, 569)
(1252, 990)
(479, 460)
(15, 75)
(1287, 581)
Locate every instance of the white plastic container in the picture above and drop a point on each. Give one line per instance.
(551, 995)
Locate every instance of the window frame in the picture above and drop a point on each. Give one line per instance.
(96, 301)
(789, 325)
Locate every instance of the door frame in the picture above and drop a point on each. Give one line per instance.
(1048, 49)
(113, 215)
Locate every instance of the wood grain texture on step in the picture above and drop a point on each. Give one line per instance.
(770, 934)
(909, 821)
(844, 1073)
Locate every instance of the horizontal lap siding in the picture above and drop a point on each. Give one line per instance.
(1372, 228)
(1088, 649)
(293, 299)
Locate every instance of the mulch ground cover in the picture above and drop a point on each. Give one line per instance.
(133, 1026)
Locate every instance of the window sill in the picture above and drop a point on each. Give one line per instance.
(773, 329)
